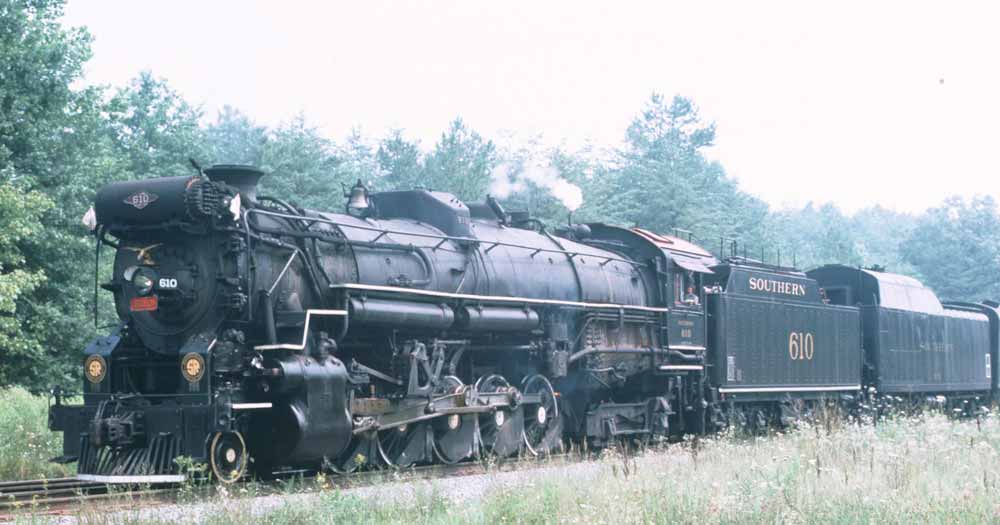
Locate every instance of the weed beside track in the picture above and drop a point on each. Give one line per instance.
(905, 470)
(26, 444)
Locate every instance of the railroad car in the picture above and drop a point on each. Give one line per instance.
(411, 327)
(773, 340)
(914, 346)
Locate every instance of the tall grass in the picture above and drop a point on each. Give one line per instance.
(908, 470)
(26, 444)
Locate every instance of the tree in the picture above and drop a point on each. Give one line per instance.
(20, 213)
(662, 180)
(813, 236)
(302, 166)
(356, 161)
(39, 61)
(461, 163)
(956, 249)
(154, 128)
(234, 138)
(400, 162)
(881, 234)
(53, 149)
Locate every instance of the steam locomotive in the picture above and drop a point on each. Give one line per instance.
(416, 328)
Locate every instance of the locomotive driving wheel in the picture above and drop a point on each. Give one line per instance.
(352, 458)
(499, 430)
(227, 455)
(404, 445)
(454, 434)
(542, 424)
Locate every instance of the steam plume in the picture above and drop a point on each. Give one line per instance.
(509, 178)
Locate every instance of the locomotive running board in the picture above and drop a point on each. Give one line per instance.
(305, 331)
(751, 390)
(495, 298)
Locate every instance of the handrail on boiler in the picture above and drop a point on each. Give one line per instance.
(471, 240)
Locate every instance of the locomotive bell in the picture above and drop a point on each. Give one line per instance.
(357, 203)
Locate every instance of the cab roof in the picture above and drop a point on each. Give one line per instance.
(684, 253)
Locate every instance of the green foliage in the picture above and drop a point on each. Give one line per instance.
(401, 163)
(880, 235)
(59, 143)
(20, 212)
(956, 249)
(39, 59)
(302, 166)
(662, 180)
(49, 137)
(234, 138)
(814, 235)
(154, 129)
(461, 163)
(64, 143)
(26, 445)
(357, 158)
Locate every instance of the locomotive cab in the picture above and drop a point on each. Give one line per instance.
(688, 267)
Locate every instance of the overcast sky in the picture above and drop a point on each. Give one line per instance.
(855, 103)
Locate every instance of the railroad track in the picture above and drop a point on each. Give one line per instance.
(52, 496)
(18, 493)
(69, 495)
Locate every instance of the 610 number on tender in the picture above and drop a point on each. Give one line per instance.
(801, 346)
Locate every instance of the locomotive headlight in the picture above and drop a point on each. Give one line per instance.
(143, 283)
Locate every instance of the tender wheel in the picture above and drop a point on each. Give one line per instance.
(454, 434)
(228, 456)
(500, 431)
(404, 445)
(542, 423)
(760, 421)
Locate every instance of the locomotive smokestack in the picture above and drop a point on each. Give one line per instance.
(243, 178)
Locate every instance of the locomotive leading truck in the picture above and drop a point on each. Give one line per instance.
(413, 328)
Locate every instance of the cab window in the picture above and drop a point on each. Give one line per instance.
(686, 289)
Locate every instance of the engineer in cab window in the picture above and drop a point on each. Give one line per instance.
(686, 282)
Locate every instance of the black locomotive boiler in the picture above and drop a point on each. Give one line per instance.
(415, 328)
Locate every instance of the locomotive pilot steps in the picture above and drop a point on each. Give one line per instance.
(414, 328)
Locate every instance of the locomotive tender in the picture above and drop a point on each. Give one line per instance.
(415, 328)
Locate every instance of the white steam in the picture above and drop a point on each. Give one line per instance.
(509, 178)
